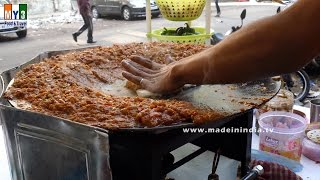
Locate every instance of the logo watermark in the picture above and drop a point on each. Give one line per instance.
(13, 16)
(271, 141)
(225, 130)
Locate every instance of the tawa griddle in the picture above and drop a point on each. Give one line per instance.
(229, 99)
(135, 153)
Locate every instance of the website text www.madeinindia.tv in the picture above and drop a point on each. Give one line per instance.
(226, 130)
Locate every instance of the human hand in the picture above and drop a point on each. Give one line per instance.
(151, 76)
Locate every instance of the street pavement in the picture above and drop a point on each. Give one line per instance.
(107, 31)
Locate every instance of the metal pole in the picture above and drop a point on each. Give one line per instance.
(208, 19)
(189, 23)
(148, 19)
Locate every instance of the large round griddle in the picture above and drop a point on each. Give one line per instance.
(231, 99)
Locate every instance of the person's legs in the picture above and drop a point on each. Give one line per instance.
(90, 29)
(218, 8)
(83, 28)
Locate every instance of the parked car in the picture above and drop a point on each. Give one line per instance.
(21, 31)
(128, 9)
(279, 1)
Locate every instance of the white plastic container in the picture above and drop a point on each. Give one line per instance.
(282, 133)
(311, 150)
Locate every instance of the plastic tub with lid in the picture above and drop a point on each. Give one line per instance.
(311, 145)
(282, 133)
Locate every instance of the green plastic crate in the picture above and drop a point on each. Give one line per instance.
(192, 39)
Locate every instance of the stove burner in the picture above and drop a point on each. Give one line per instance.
(146, 156)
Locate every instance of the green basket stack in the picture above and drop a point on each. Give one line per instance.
(191, 39)
(181, 10)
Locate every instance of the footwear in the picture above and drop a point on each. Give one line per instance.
(75, 37)
(218, 15)
(91, 41)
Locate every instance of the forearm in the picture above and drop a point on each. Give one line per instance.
(275, 45)
(194, 69)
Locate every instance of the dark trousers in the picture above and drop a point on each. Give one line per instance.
(217, 6)
(87, 25)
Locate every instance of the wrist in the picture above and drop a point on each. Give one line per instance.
(187, 72)
(177, 74)
(196, 69)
